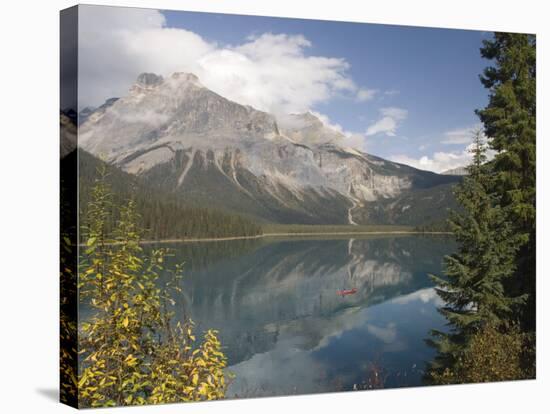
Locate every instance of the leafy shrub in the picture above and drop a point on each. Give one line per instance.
(131, 349)
(492, 355)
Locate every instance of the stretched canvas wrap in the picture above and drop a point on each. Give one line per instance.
(256, 206)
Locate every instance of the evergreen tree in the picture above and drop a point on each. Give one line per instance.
(510, 122)
(165, 215)
(490, 281)
(472, 288)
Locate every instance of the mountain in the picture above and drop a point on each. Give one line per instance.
(181, 137)
(164, 215)
(67, 132)
(274, 274)
(307, 129)
(456, 171)
(85, 113)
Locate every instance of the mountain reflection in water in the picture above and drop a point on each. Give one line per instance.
(283, 325)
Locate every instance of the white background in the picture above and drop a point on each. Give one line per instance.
(29, 204)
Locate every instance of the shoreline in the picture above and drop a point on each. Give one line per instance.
(303, 234)
(288, 234)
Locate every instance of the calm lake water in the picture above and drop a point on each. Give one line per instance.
(286, 330)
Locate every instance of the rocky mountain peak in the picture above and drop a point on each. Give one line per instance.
(186, 77)
(178, 133)
(308, 117)
(149, 79)
(307, 128)
(178, 111)
(147, 82)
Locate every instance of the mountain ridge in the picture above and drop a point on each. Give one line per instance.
(180, 136)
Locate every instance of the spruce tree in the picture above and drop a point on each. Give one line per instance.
(472, 287)
(510, 121)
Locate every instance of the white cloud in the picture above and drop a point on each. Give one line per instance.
(386, 334)
(350, 139)
(355, 140)
(390, 119)
(460, 136)
(438, 162)
(391, 92)
(385, 125)
(116, 44)
(424, 295)
(327, 122)
(396, 113)
(364, 95)
(271, 72)
(441, 161)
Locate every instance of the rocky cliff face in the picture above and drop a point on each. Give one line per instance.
(178, 134)
(307, 129)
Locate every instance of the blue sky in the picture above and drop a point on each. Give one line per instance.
(403, 93)
(432, 73)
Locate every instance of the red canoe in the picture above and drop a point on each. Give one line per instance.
(347, 292)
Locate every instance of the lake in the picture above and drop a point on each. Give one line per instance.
(285, 328)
